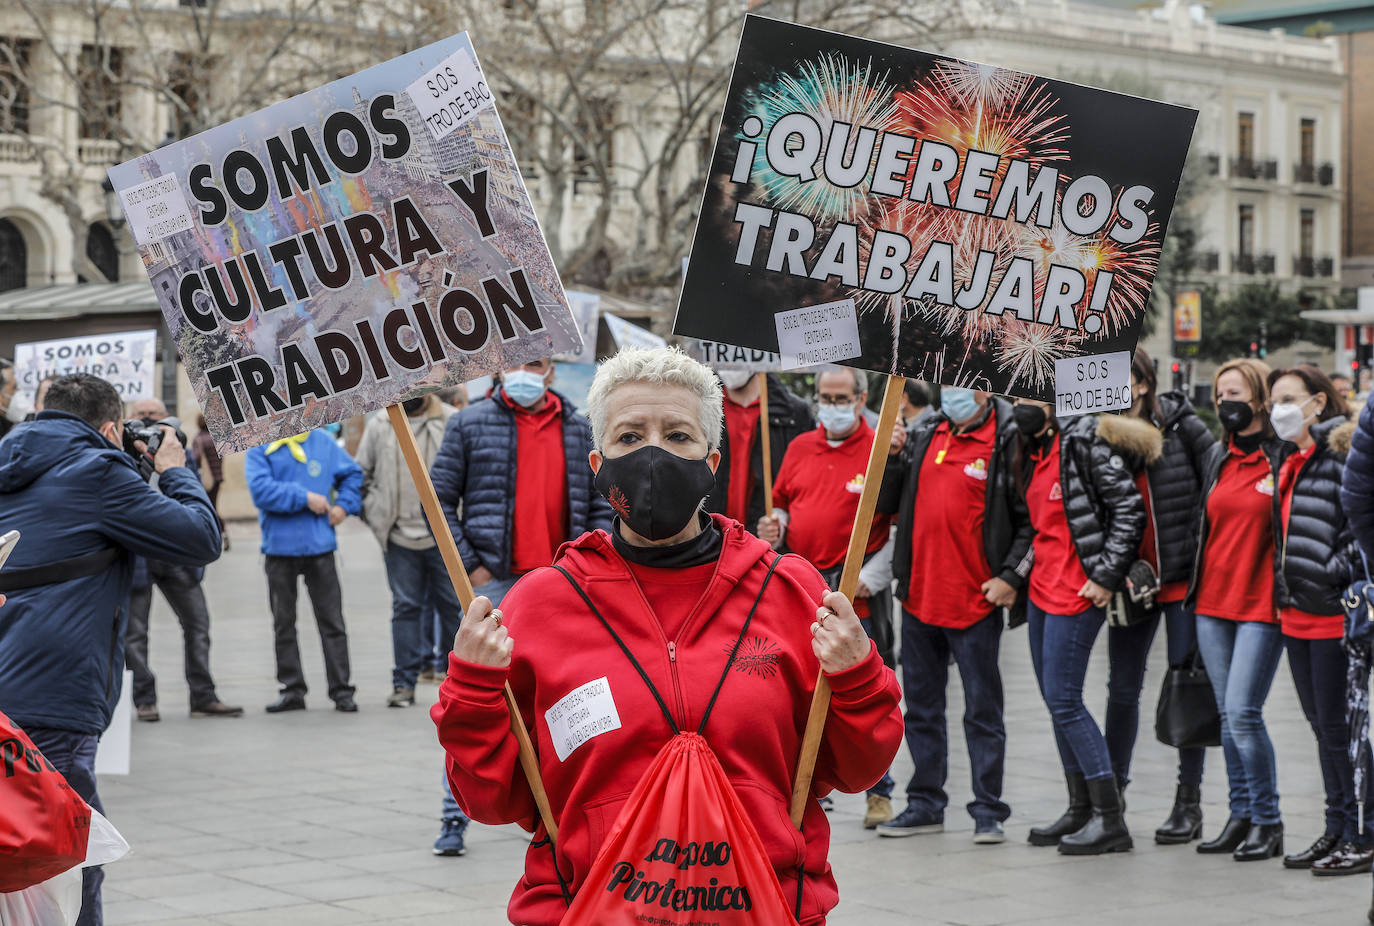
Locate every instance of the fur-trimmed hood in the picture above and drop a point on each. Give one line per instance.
(1338, 438)
(1133, 436)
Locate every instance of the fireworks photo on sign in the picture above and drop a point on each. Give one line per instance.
(985, 222)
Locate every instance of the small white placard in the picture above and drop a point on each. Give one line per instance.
(113, 751)
(155, 209)
(1100, 383)
(581, 714)
(817, 334)
(451, 94)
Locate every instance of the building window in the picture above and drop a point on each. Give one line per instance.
(100, 248)
(100, 70)
(14, 257)
(1307, 142)
(14, 87)
(186, 78)
(1245, 136)
(1307, 227)
(1247, 231)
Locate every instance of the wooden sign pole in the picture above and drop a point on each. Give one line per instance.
(766, 436)
(849, 581)
(462, 585)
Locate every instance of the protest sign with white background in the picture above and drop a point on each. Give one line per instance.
(348, 248)
(125, 359)
(984, 222)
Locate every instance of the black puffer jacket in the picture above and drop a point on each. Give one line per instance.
(1006, 524)
(1175, 482)
(789, 417)
(1098, 456)
(1277, 451)
(1318, 549)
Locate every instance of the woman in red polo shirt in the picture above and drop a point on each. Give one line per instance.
(1233, 597)
(1315, 565)
(1088, 519)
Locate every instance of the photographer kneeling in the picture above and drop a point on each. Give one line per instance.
(84, 510)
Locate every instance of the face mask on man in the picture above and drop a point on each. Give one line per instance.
(734, 379)
(837, 418)
(1288, 419)
(958, 404)
(1235, 416)
(1030, 419)
(655, 492)
(19, 408)
(523, 387)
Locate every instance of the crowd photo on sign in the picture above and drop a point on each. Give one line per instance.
(684, 518)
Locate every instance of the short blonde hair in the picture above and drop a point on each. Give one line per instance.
(660, 366)
(1255, 373)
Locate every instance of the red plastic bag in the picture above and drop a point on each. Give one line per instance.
(682, 851)
(44, 824)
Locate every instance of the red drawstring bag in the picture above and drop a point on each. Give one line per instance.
(44, 824)
(683, 850)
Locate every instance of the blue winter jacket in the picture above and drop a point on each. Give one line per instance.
(475, 468)
(1357, 483)
(279, 485)
(70, 493)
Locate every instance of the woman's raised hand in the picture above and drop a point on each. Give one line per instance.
(481, 639)
(837, 637)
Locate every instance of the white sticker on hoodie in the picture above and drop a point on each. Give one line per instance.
(581, 714)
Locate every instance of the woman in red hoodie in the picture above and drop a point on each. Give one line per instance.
(675, 586)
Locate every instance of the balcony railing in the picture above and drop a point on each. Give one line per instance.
(1304, 266)
(1209, 261)
(1213, 165)
(1251, 264)
(1265, 264)
(1308, 172)
(98, 152)
(1326, 267)
(16, 149)
(1251, 169)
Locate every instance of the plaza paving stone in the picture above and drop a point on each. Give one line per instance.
(317, 818)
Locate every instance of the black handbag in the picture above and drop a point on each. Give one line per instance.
(1135, 603)
(1187, 715)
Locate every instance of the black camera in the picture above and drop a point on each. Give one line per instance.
(150, 433)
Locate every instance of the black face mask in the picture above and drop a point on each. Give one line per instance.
(1030, 419)
(1234, 416)
(148, 421)
(412, 406)
(656, 493)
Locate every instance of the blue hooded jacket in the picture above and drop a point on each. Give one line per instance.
(279, 485)
(474, 472)
(71, 493)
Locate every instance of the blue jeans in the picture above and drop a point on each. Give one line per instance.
(926, 654)
(1128, 648)
(1319, 675)
(417, 578)
(496, 590)
(73, 754)
(1241, 659)
(1060, 646)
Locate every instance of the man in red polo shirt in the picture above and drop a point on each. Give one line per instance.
(513, 479)
(817, 499)
(960, 558)
(738, 493)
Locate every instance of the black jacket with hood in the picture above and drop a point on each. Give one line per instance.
(1006, 524)
(1317, 553)
(1098, 457)
(789, 417)
(1175, 484)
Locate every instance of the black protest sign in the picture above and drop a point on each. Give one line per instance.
(976, 224)
(340, 251)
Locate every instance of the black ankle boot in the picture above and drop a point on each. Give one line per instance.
(1106, 830)
(1265, 840)
(1073, 820)
(1185, 820)
(1231, 835)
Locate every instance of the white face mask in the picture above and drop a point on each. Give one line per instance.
(734, 379)
(1288, 419)
(19, 408)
